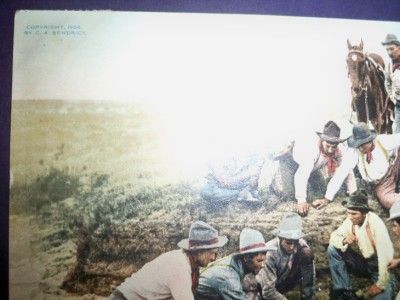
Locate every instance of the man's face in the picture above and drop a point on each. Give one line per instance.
(393, 51)
(396, 228)
(366, 148)
(203, 258)
(288, 246)
(256, 263)
(356, 217)
(329, 148)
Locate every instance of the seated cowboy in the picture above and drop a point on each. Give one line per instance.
(361, 246)
(174, 274)
(223, 278)
(291, 263)
(395, 218)
(233, 180)
(375, 156)
(304, 175)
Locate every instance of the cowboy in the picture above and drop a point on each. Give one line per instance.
(392, 77)
(174, 274)
(291, 262)
(223, 278)
(375, 157)
(235, 179)
(305, 175)
(362, 231)
(395, 218)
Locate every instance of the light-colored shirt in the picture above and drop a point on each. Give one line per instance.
(166, 277)
(277, 267)
(379, 234)
(222, 280)
(392, 85)
(309, 158)
(370, 172)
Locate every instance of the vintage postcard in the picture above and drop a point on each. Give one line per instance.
(119, 120)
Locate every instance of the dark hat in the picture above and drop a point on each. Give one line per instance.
(331, 133)
(357, 200)
(391, 39)
(202, 236)
(361, 135)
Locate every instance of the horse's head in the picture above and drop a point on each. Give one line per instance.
(356, 66)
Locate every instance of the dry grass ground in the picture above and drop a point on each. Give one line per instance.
(93, 199)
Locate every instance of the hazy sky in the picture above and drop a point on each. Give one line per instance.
(241, 77)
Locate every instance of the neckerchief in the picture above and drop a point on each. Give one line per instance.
(195, 273)
(369, 154)
(331, 160)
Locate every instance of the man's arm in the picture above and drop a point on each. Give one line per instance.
(384, 250)
(230, 286)
(340, 235)
(267, 278)
(180, 285)
(349, 161)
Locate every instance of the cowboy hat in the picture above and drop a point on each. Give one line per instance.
(290, 227)
(331, 133)
(252, 241)
(394, 211)
(391, 39)
(202, 236)
(357, 200)
(361, 135)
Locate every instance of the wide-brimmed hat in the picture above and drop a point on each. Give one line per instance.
(394, 211)
(252, 241)
(357, 200)
(290, 227)
(331, 133)
(391, 39)
(361, 135)
(202, 236)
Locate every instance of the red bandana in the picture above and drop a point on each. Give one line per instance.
(331, 160)
(369, 154)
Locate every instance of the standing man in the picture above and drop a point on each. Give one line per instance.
(175, 274)
(392, 78)
(291, 263)
(375, 156)
(305, 176)
(222, 280)
(364, 231)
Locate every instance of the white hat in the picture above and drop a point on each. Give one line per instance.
(290, 227)
(252, 241)
(202, 236)
(395, 211)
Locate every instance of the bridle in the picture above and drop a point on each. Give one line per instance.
(352, 56)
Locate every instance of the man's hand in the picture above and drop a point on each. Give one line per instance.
(320, 203)
(394, 263)
(374, 290)
(350, 239)
(302, 208)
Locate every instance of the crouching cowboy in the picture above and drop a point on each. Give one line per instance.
(291, 263)
(174, 274)
(366, 232)
(223, 279)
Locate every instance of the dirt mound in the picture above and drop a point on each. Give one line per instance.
(108, 254)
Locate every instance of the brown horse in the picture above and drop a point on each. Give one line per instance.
(369, 98)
